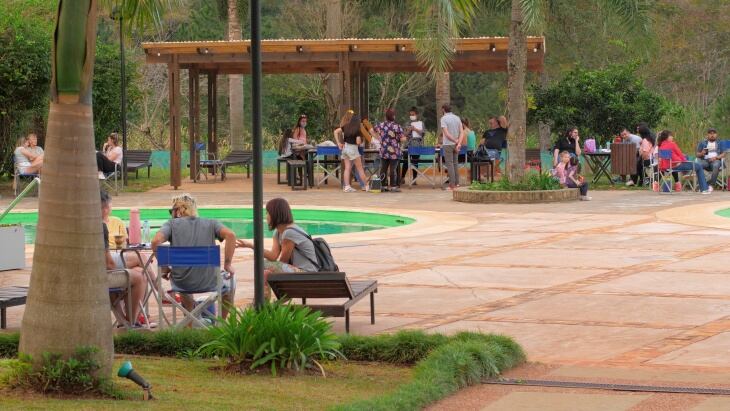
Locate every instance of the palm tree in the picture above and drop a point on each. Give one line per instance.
(235, 83)
(68, 299)
(333, 30)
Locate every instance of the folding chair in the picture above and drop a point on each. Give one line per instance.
(723, 147)
(651, 171)
(201, 257)
(110, 182)
(688, 178)
(119, 290)
(323, 165)
(18, 177)
(424, 152)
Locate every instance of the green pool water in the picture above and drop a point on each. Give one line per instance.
(315, 222)
(723, 213)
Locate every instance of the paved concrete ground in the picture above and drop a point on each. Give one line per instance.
(601, 291)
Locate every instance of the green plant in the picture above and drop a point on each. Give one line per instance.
(278, 336)
(532, 181)
(9, 345)
(404, 347)
(77, 374)
(164, 343)
(466, 359)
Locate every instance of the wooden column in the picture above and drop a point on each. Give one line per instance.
(364, 85)
(346, 77)
(173, 75)
(212, 113)
(193, 120)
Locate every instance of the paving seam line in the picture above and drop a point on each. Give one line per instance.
(610, 387)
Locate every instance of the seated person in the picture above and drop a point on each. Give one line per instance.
(110, 155)
(570, 142)
(28, 156)
(136, 278)
(291, 250)
(568, 174)
(709, 155)
(186, 229)
(116, 226)
(679, 161)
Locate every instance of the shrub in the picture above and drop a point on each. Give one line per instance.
(404, 347)
(532, 181)
(9, 345)
(77, 374)
(164, 343)
(466, 359)
(278, 336)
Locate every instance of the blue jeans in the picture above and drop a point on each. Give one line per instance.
(689, 166)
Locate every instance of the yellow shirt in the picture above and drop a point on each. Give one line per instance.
(116, 227)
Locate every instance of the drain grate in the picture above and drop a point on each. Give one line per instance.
(612, 387)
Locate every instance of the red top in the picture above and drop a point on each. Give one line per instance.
(677, 155)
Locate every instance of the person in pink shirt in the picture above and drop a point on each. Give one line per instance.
(679, 161)
(568, 174)
(300, 130)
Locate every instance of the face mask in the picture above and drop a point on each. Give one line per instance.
(304, 124)
(413, 118)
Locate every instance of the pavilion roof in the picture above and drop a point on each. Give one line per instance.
(285, 56)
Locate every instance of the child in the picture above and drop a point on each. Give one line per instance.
(568, 173)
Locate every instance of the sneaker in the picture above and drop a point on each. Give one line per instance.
(629, 183)
(708, 191)
(585, 198)
(366, 188)
(349, 189)
(101, 176)
(655, 186)
(395, 189)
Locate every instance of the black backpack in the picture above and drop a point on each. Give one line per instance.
(325, 261)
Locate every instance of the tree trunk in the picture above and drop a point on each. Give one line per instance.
(235, 84)
(333, 30)
(443, 96)
(68, 300)
(544, 128)
(516, 105)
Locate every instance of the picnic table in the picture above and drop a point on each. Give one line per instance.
(599, 161)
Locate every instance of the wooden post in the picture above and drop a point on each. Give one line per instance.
(193, 120)
(345, 72)
(364, 93)
(213, 137)
(173, 74)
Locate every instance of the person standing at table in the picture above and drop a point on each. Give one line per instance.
(569, 142)
(452, 133)
(415, 133)
(349, 138)
(391, 135)
(627, 137)
(646, 151)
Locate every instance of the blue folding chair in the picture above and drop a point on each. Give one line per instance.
(666, 181)
(425, 153)
(322, 164)
(723, 147)
(200, 257)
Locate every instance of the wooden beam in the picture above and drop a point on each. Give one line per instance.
(364, 93)
(346, 78)
(173, 75)
(193, 120)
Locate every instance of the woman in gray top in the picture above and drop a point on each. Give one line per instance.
(292, 250)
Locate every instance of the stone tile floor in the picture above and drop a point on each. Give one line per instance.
(602, 287)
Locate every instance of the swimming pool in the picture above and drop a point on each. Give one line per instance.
(315, 222)
(725, 212)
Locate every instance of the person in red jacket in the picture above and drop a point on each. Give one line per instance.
(679, 161)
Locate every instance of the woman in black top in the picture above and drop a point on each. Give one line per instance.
(349, 138)
(496, 137)
(569, 142)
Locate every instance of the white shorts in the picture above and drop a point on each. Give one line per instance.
(351, 152)
(118, 261)
(23, 167)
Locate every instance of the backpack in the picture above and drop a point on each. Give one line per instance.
(325, 261)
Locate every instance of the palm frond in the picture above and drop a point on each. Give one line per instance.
(435, 24)
(141, 14)
(533, 14)
(633, 13)
(495, 6)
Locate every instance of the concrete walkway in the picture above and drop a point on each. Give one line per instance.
(600, 291)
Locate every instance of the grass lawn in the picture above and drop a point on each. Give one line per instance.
(181, 384)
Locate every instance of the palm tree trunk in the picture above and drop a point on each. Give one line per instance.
(68, 301)
(516, 106)
(333, 30)
(443, 96)
(235, 83)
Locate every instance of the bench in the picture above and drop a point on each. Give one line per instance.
(324, 285)
(241, 157)
(137, 159)
(11, 297)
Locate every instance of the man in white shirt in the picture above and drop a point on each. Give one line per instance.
(710, 155)
(452, 135)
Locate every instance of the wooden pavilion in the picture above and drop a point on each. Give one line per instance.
(353, 59)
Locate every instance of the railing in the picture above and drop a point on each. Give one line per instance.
(36, 181)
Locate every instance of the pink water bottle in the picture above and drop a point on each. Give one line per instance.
(135, 228)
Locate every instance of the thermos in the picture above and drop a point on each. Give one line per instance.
(135, 227)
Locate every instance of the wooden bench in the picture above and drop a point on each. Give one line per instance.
(11, 297)
(325, 285)
(137, 159)
(244, 158)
